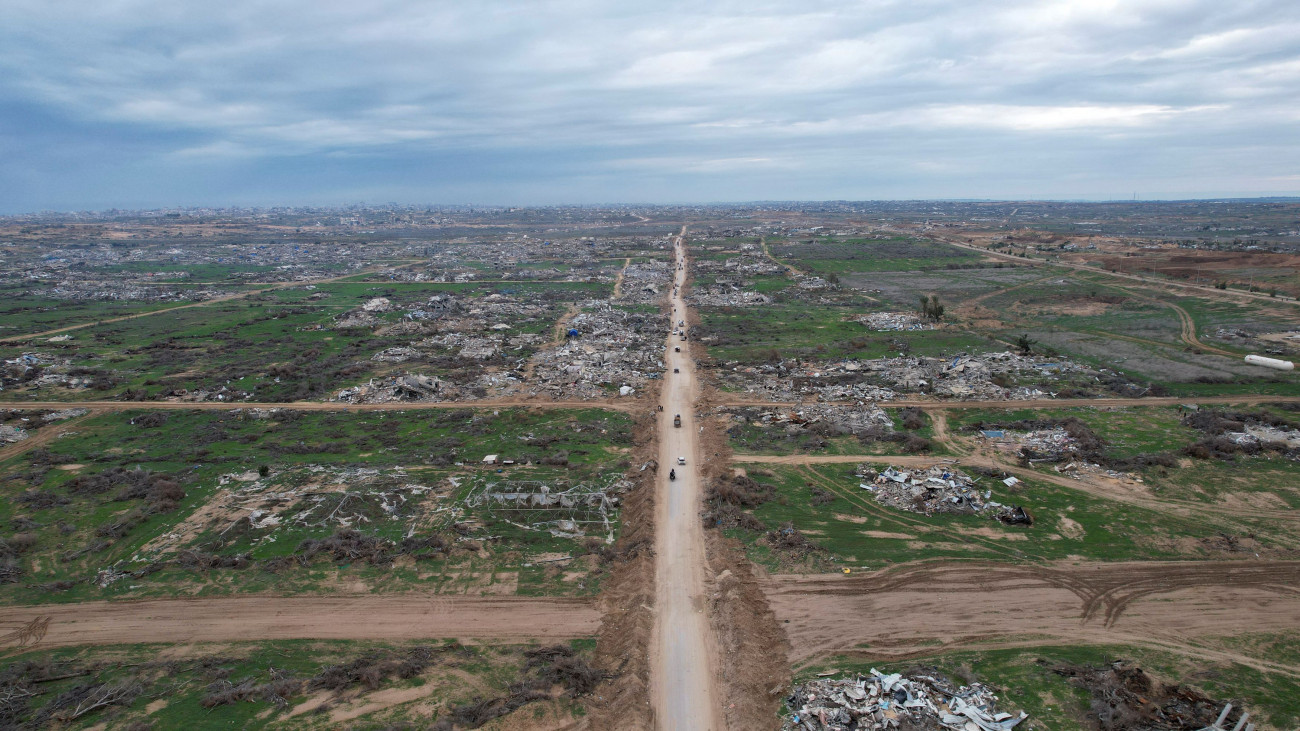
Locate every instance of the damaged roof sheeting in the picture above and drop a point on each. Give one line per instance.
(878, 701)
(941, 489)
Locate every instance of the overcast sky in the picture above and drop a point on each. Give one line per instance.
(143, 103)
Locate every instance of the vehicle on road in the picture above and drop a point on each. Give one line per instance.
(677, 420)
(677, 349)
(681, 460)
(672, 474)
(677, 370)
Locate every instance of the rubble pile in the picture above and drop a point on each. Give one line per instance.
(726, 295)
(942, 489)
(960, 377)
(880, 701)
(893, 321)
(12, 434)
(749, 262)
(645, 282)
(108, 290)
(612, 349)
(1259, 434)
(1046, 445)
(843, 419)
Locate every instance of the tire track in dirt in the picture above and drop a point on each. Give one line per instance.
(932, 607)
(335, 617)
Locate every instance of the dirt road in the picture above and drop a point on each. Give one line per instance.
(622, 404)
(929, 608)
(360, 617)
(683, 652)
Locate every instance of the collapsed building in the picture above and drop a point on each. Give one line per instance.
(877, 701)
(989, 376)
(940, 489)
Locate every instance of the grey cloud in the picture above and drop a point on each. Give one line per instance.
(829, 99)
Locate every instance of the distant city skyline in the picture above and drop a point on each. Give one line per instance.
(143, 104)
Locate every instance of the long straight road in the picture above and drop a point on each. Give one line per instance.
(683, 654)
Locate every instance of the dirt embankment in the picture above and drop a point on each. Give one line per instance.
(627, 601)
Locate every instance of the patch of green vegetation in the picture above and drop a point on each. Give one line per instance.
(796, 330)
(275, 684)
(856, 530)
(122, 482)
(1127, 431)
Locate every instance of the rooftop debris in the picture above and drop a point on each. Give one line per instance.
(894, 321)
(880, 701)
(941, 489)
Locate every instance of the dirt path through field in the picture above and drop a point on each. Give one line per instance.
(683, 652)
(930, 608)
(762, 243)
(618, 281)
(328, 617)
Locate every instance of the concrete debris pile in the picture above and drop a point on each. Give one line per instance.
(403, 387)
(105, 291)
(942, 489)
(1048, 445)
(12, 434)
(726, 295)
(398, 354)
(841, 419)
(962, 377)
(1262, 434)
(64, 414)
(878, 701)
(41, 370)
(607, 348)
(645, 282)
(893, 321)
(749, 262)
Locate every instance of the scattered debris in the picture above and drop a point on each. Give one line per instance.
(893, 321)
(941, 489)
(880, 701)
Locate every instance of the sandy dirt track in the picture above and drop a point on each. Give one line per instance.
(615, 404)
(929, 608)
(683, 654)
(359, 617)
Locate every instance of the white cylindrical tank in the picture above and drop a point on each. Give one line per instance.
(1259, 360)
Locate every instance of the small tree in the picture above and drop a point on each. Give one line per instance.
(1026, 344)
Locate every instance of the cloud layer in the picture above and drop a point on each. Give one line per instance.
(145, 102)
